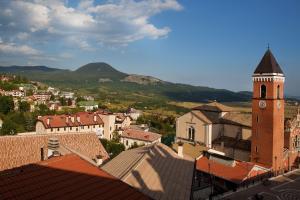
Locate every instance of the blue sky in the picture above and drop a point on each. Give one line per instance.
(209, 43)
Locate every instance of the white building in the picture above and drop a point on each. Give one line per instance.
(130, 137)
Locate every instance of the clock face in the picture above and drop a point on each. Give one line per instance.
(278, 104)
(262, 104)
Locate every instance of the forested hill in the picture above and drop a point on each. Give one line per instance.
(104, 80)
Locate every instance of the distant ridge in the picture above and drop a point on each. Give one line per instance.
(102, 79)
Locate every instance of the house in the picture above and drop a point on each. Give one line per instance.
(1, 123)
(122, 120)
(42, 97)
(14, 93)
(54, 105)
(109, 120)
(155, 170)
(67, 95)
(134, 113)
(16, 151)
(53, 91)
(130, 137)
(217, 126)
(216, 173)
(81, 122)
(88, 105)
(64, 177)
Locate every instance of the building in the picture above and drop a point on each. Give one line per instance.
(267, 142)
(122, 120)
(81, 122)
(88, 105)
(64, 177)
(217, 174)
(155, 170)
(130, 137)
(134, 113)
(67, 95)
(109, 120)
(16, 151)
(42, 97)
(217, 126)
(14, 93)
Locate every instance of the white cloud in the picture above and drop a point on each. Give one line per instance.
(22, 36)
(114, 22)
(11, 48)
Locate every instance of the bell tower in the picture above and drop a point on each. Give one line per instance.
(267, 140)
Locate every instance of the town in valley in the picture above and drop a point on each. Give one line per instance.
(97, 132)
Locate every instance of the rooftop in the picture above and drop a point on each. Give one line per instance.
(78, 119)
(140, 135)
(268, 64)
(16, 151)
(230, 170)
(64, 177)
(214, 107)
(154, 169)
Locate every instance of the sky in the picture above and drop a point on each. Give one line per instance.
(215, 43)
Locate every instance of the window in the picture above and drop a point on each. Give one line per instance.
(76, 129)
(70, 128)
(278, 92)
(257, 118)
(263, 91)
(94, 126)
(51, 129)
(191, 133)
(126, 142)
(57, 129)
(64, 128)
(256, 150)
(88, 126)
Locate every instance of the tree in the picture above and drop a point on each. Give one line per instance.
(43, 109)
(24, 106)
(62, 101)
(116, 137)
(8, 128)
(6, 104)
(112, 148)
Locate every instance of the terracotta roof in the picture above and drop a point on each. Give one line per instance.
(140, 135)
(16, 151)
(214, 107)
(236, 173)
(64, 177)
(237, 118)
(268, 64)
(154, 169)
(57, 121)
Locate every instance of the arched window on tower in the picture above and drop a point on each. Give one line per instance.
(263, 91)
(278, 92)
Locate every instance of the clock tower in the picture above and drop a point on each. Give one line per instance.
(268, 113)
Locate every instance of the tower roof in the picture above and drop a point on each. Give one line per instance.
(268, 64)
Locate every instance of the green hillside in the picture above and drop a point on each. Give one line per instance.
(107, 83)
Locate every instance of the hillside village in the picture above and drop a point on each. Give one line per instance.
(216, 150)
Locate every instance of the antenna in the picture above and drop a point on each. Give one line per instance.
(268, 47)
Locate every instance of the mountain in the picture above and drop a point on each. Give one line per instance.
(106, 82)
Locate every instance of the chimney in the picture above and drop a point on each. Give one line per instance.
(95, 118)
(53, 145)
(67, 119)
(78, 118)
(72, 119)
(99, 160)
(180, 149)
(48, 121)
